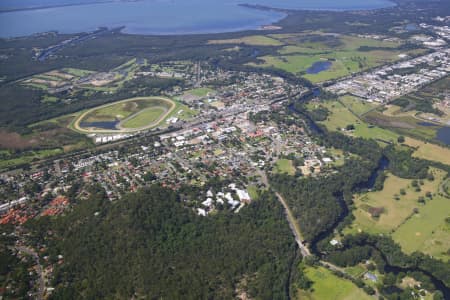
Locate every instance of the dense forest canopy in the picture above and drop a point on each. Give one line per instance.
(149, 244)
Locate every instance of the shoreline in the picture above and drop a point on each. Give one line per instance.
(271, 24)
(30, 8)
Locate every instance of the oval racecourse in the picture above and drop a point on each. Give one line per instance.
(129, 115)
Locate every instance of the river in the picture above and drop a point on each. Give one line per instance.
(369, 184)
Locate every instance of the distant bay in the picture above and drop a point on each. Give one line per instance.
(155, 16)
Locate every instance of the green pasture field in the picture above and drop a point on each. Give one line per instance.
(396, 212)
(429, 151)
(428, 231)
(391, 110)
(341, 116)
(346, 57)
(357, 105)
(29, 157)
(402, 124)
(331, 287)
(343, 62)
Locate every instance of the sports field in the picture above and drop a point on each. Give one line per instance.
(284, 166)
(200, 92)
(125, 116)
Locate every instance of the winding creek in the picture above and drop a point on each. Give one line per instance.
(369, 184)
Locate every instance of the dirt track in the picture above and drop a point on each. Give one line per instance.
(77, 126)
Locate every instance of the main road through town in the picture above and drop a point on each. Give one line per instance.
(290, 218)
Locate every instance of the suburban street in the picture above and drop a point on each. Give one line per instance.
(41, 285)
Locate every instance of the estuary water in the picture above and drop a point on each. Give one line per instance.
(26, 17)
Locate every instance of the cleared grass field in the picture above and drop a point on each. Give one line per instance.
(330, 287)
(428, 230)
(356, 271)
(348, 54)
(403, 123)
(77, 72)
(284, 166)
(29, 157)
(112, 112)
(291, 63)
(357, 105)
(144, 117)
(341, 116)
(429, 151)
(368, 131)
(200, 92)
(182, 112)
(391, 110)
(253, 192)
(395, 212)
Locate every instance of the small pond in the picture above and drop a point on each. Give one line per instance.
(109, 125)
(319, 66)
(426, 124)
(443, 135)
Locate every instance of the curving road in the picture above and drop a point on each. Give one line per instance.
(294, 227)
(289, 217)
